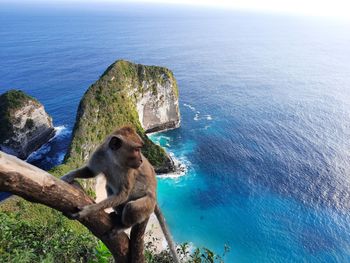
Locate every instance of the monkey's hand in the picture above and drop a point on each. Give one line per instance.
(68, 178)
(85, 211)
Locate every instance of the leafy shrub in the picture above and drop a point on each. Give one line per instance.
(197, 255)
(55, 240)
(102, 254)
(186, 254)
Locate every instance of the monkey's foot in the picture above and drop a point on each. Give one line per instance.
(69, 215)
(116, 231)
(118, 224)
(72, 215)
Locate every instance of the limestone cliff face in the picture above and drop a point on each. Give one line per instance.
(25, 126)
(127, 93)
(157, 100)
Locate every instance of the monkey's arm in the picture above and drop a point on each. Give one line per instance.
(112, 201)
(84, 172)
(94, 167)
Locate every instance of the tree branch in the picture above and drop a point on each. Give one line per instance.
(36, 185)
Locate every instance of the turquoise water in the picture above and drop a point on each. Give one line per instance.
(265, 105)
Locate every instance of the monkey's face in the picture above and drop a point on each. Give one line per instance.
(134, 158)
(126, 152)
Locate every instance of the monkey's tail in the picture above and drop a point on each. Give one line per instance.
(166, 233)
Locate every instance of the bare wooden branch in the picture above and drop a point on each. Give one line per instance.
(36, 185)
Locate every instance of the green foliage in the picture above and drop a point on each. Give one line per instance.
(9, 102)
(186, 254)
(184, 251)
(102, 254)
(15, 99)
(48, 237)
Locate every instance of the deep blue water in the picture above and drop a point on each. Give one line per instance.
(265, 105)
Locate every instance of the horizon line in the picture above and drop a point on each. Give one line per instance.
(294, 8)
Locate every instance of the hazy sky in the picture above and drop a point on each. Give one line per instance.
(338, 8)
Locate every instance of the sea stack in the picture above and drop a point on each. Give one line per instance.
(24, 124)
(144, 96)
(156, 98)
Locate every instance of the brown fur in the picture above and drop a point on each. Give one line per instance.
(130, 134)
(131, 181)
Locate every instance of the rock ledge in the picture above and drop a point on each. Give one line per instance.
(24, 124)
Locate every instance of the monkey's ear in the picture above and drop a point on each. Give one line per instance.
(115, 143)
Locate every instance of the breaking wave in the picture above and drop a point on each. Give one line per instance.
(52, 153)
(180, 161)
(181, 167)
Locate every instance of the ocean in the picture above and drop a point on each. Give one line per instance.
(265, 109)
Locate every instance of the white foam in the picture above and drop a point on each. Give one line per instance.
(196, 117)
(60, 131)
(181, 163)
(174, 175)
(189, 106)
(181, 167)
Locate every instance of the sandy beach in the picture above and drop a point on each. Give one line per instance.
(154, 234)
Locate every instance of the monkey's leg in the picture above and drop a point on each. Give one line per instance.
(137, 242)
(132, 213)
(138, 211)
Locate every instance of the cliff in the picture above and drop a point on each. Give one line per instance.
(24, 124)
(156, 98)
(126, 93)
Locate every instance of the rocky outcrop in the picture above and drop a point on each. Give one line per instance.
(24, 124)
(144, 96)
(156, 100)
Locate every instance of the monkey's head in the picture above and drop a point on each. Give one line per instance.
(126, 145)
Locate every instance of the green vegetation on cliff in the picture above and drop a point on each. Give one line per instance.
(9, 102)
(111, 103)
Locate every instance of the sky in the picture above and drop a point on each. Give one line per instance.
(332, 8)
(304, 7)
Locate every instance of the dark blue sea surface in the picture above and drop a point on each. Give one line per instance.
(265, 105)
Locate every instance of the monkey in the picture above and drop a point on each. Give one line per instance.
(131, 182)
